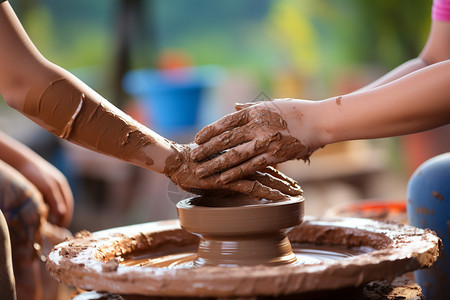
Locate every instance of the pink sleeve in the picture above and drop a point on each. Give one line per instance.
(441, 10)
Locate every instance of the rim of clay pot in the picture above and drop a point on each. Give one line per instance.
(90, 260)
(239, 215)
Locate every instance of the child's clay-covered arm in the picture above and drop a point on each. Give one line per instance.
(62, 104)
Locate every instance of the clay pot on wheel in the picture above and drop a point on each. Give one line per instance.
(241, 231)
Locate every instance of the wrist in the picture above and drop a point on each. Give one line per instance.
(177, 155)
(309, 125)
(326, 120)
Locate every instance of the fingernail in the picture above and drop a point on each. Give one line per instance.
(61, 209)
(200, 137)
(201, 172)
(225, 177)
(194, 154)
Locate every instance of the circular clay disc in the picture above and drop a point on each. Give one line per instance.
(90, 261)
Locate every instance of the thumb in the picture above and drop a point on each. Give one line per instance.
(241, 106)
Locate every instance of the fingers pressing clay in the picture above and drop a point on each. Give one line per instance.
(224, 124)
(276, 183)
(260, 185)
(222, 162)
(262, 133)
(246, 159)
(228, 159)
(221, 142)
(245, 169)
(256, 189)
(277, 174)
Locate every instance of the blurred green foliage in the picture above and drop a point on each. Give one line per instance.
(315, 36)
(322, 35)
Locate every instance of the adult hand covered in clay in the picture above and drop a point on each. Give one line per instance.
(258, 135)
(268, 183)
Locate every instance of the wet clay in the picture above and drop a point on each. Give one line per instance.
(184, 258)
(397, 249)
(266, 131)
(268, 183)
(89, 121)
(241, 230)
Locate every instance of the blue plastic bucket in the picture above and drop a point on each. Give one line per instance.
(171, 98)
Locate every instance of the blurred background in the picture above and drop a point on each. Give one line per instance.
(179, 65)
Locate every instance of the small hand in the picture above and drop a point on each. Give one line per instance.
(268, 183)
(54, 188)
(258, 135)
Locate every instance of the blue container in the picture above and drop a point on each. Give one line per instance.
(171, 98)
(429, 207)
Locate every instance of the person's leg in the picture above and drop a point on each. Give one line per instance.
(7, 284)
(24, 211)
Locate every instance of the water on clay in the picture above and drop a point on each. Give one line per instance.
(183, 257)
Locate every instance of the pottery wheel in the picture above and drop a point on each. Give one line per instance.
(91, 261)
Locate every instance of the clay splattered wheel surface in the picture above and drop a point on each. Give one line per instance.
(88, 261)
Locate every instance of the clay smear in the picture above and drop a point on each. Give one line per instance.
(305, 254)
(90, 122)
(255, 130)
(269, 183)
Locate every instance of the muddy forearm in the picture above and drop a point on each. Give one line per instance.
(69, 109)
(414, 103)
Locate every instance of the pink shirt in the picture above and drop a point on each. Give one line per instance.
(441, 10)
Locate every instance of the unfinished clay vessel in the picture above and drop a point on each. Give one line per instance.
(241, 231)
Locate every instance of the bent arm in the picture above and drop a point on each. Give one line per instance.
(65, 106)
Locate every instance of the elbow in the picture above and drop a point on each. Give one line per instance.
(437, 48)
(9, 101)
(14, 93)
(17, 85)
